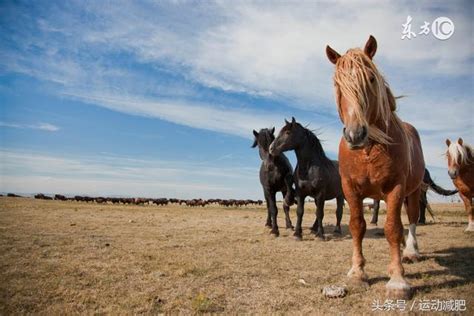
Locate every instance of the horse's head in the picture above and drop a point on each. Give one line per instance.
(289, 137)
(458, 154)
(363, 98)
(263, 139)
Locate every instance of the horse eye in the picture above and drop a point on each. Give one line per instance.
(372, 79)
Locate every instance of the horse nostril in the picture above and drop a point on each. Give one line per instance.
(364, 132)
(346, 136)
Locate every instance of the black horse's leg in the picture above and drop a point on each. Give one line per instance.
(269, 219)
(286, 209)
(375, 215)
(299, 212)
(340, 206)
(423, 203)
(314, 228)
(273, 213)
(319, 217)
(289, 194)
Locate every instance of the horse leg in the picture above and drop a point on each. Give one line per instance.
(286, 209)
(397, 286)
(357, 226)
(470, 212)
(319, 218)
(268, 223)
(375, 214)
(423, 203)
(410, 253)
(299, 212)
(273, 213)
(340, 206)
(289, 195)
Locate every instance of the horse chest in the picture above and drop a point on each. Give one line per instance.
(369, 172)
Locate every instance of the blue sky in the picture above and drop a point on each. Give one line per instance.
(160, 98)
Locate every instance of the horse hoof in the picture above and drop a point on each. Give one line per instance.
(298, 237)
(412, 258)
(290, 227)
(470, 228)
(320, 237)
(337, 231)
(275, 233)
(399, 290)
(357, 274)
(373, 224)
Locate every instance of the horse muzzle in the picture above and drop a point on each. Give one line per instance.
(272, 150)
(356, 137)
(453, 173)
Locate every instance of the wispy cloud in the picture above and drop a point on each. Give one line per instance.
(39, 126)
(211, 69)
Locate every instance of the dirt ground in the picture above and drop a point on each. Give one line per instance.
(70, 257)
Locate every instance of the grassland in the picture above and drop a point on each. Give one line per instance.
(69, 257)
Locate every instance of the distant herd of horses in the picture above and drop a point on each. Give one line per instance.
(146, 201)
(379, 157)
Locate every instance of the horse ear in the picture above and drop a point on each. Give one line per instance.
(391, 100)
(448, 142)
(333, 56)
(293, 121)
(286, 122)
(460, 141)
(272, 130)
(255, 142)
(370, 47)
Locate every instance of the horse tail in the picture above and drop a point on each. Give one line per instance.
(427, 179)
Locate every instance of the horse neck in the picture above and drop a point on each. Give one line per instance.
(306, 154)
(265, 155)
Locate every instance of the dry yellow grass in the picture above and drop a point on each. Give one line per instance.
(69, 257)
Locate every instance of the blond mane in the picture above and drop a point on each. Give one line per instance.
(352, 79)
(462, 154)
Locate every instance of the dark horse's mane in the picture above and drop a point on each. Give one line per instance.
(267, 140)
(316, 145)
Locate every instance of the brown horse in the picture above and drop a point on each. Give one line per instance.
(461, 169)
(379, 157)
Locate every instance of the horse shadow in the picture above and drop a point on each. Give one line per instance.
(457, 261)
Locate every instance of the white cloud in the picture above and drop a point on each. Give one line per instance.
(40, 126)
(275, 51)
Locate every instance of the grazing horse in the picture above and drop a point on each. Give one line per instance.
(428, 183)
(379, 157)
(461, 170)
(276, 175)
(315, 175)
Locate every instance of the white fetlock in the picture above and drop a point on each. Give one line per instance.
(470, 227)
(358, 274)
(411, 249)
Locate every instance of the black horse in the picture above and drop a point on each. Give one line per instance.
(428, 183)
(276, 175)
(315, 175)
